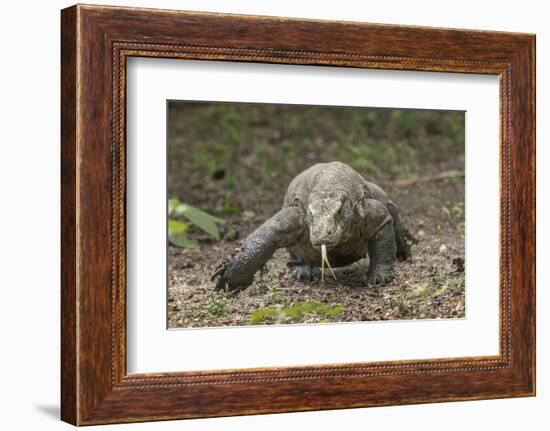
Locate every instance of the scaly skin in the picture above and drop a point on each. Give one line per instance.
(331, 204)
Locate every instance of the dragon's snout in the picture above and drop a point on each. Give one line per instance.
(330, 241)
(325, 233)
(328, 244)
(328, 216)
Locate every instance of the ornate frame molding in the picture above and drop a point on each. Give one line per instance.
(96, 41)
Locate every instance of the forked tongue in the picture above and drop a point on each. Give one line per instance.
(324, 259)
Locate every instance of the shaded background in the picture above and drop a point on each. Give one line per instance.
(228, 158)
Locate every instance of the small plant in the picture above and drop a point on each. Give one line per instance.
(418, 303)
(219, 303)
(296, 311)
(178, 229)
(268, 282)
(230, 208)
(436, 286)
(401, 305)
(454, 212)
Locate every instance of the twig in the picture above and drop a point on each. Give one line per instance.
(438, 177)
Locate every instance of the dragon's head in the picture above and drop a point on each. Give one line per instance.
(329, 214)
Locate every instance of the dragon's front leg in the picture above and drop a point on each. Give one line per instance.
(378, 226)
(382, 256)
(284, 229)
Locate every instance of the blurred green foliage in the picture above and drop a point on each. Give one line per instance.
(229, 159)
(178, 234)
(298, 310)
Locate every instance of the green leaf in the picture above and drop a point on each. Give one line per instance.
(182, 240)
(201, 219)
(172, 205)
(185, 209)
(176, 226)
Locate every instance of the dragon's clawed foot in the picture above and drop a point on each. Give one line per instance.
(305, 272)
(380, 276)
(228, 276)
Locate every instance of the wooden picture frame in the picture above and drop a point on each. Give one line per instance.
(95, 43)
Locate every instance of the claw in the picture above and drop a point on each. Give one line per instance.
(379, 278)
(220, 283)
(226, 278)
(380, 274)
(305, 272)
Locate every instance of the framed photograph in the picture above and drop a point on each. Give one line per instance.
(263, 214)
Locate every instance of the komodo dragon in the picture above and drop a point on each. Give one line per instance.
(329, 210)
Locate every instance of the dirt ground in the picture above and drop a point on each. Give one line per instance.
(429, 286)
